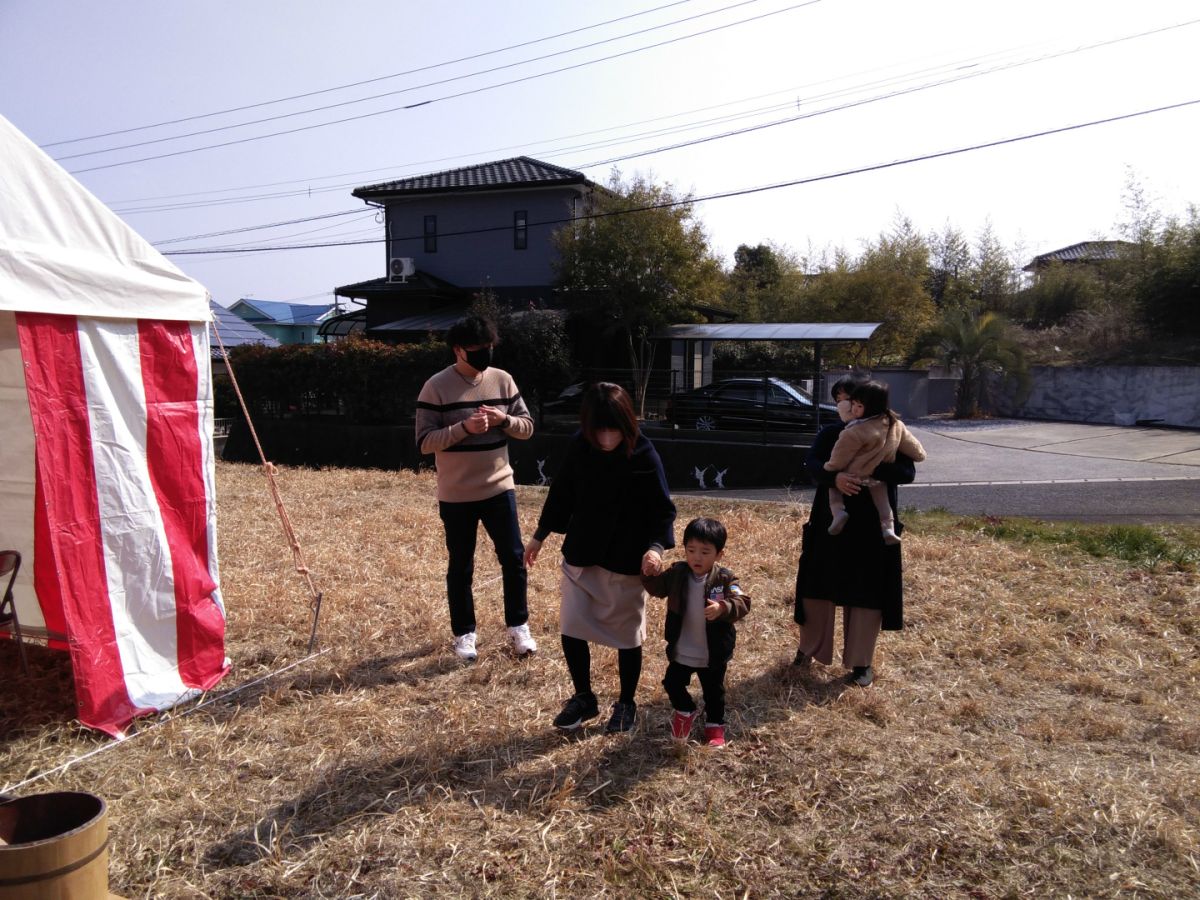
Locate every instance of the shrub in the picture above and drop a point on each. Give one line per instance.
(364, 381)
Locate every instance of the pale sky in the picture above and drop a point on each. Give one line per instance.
(973, 72)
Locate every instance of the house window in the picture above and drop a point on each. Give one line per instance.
(431, 234)
(520, 230)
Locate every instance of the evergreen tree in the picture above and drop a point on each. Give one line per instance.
(640, 262)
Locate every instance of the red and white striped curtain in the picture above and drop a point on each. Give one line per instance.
(125, 555)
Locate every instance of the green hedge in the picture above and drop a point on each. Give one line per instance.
(364, 382)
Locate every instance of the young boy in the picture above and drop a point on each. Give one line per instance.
(703, 602)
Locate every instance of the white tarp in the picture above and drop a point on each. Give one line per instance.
(63, 251)
(106, 463)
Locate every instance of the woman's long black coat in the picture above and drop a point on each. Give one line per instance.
(855, 568)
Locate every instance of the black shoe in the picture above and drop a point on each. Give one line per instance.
(802, 659)
(622, 719)
(861, 676)
(576, 711)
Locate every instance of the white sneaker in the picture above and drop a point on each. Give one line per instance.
(522, 641)
(464, 647)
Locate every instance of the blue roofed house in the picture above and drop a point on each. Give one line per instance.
(287, 323)
(452, 234)
(233, 331)
(229, 331)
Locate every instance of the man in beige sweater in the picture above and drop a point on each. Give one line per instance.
(465, 415)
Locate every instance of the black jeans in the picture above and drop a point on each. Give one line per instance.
(712, 683)
(461, 521)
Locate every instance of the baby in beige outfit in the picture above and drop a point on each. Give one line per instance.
(873, 435)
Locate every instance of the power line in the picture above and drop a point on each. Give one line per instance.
(464, 93)
(365, 81)
(956, 65)
(526, 147)
(307, 181)
(966, 76)
(406, 90)
(336, 225)
(760, 126)
(196, 237)
(727, 194)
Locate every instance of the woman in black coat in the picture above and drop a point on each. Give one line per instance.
(610, 499)
(855, 569)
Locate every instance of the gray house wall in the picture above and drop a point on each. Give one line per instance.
(483, 258)
(914, 393)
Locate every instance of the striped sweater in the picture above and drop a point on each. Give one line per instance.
(470, 467)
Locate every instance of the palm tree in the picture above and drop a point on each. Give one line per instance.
(979, 346)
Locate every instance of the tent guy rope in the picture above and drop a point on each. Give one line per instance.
(9, 793)
(269, 469)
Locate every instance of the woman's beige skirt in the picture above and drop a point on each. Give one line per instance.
(602, 607)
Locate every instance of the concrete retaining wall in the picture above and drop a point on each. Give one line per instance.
(1108, 395)
(912, 392)
(1111, 395)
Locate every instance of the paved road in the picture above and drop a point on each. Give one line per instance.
(1048, 470)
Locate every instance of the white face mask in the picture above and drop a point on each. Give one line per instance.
(843, 408)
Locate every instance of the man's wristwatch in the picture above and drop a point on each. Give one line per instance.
(507, 422)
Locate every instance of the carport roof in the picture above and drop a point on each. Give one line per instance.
(772, 331)
(439, 320)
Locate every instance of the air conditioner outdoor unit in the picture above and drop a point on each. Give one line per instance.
(399, 268)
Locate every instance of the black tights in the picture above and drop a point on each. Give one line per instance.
(578, 655)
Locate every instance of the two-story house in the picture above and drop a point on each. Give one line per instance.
(453, 234)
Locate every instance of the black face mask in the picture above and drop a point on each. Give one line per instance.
(479, 359)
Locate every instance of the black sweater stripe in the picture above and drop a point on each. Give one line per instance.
(472, 404)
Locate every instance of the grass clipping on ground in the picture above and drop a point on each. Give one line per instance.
(1034, 730)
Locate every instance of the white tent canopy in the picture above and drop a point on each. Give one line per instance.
(68, 253)
(106, 463)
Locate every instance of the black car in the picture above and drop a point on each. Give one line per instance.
(568, 400)
(747, 404)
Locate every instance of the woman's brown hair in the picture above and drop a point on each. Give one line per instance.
(607, 405)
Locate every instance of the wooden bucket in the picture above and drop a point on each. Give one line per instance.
(54, 847)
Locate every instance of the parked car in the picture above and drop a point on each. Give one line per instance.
(747, 404)
(568, 400)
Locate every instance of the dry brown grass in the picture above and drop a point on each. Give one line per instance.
(1034, 731)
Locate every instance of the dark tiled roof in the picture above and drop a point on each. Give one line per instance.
(520, 171)
(438, 320)
(419, 282)
(1084, 251)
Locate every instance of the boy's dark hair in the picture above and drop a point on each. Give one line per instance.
(607, 405)
(707, 531)
(873, 395)
(473, 331)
